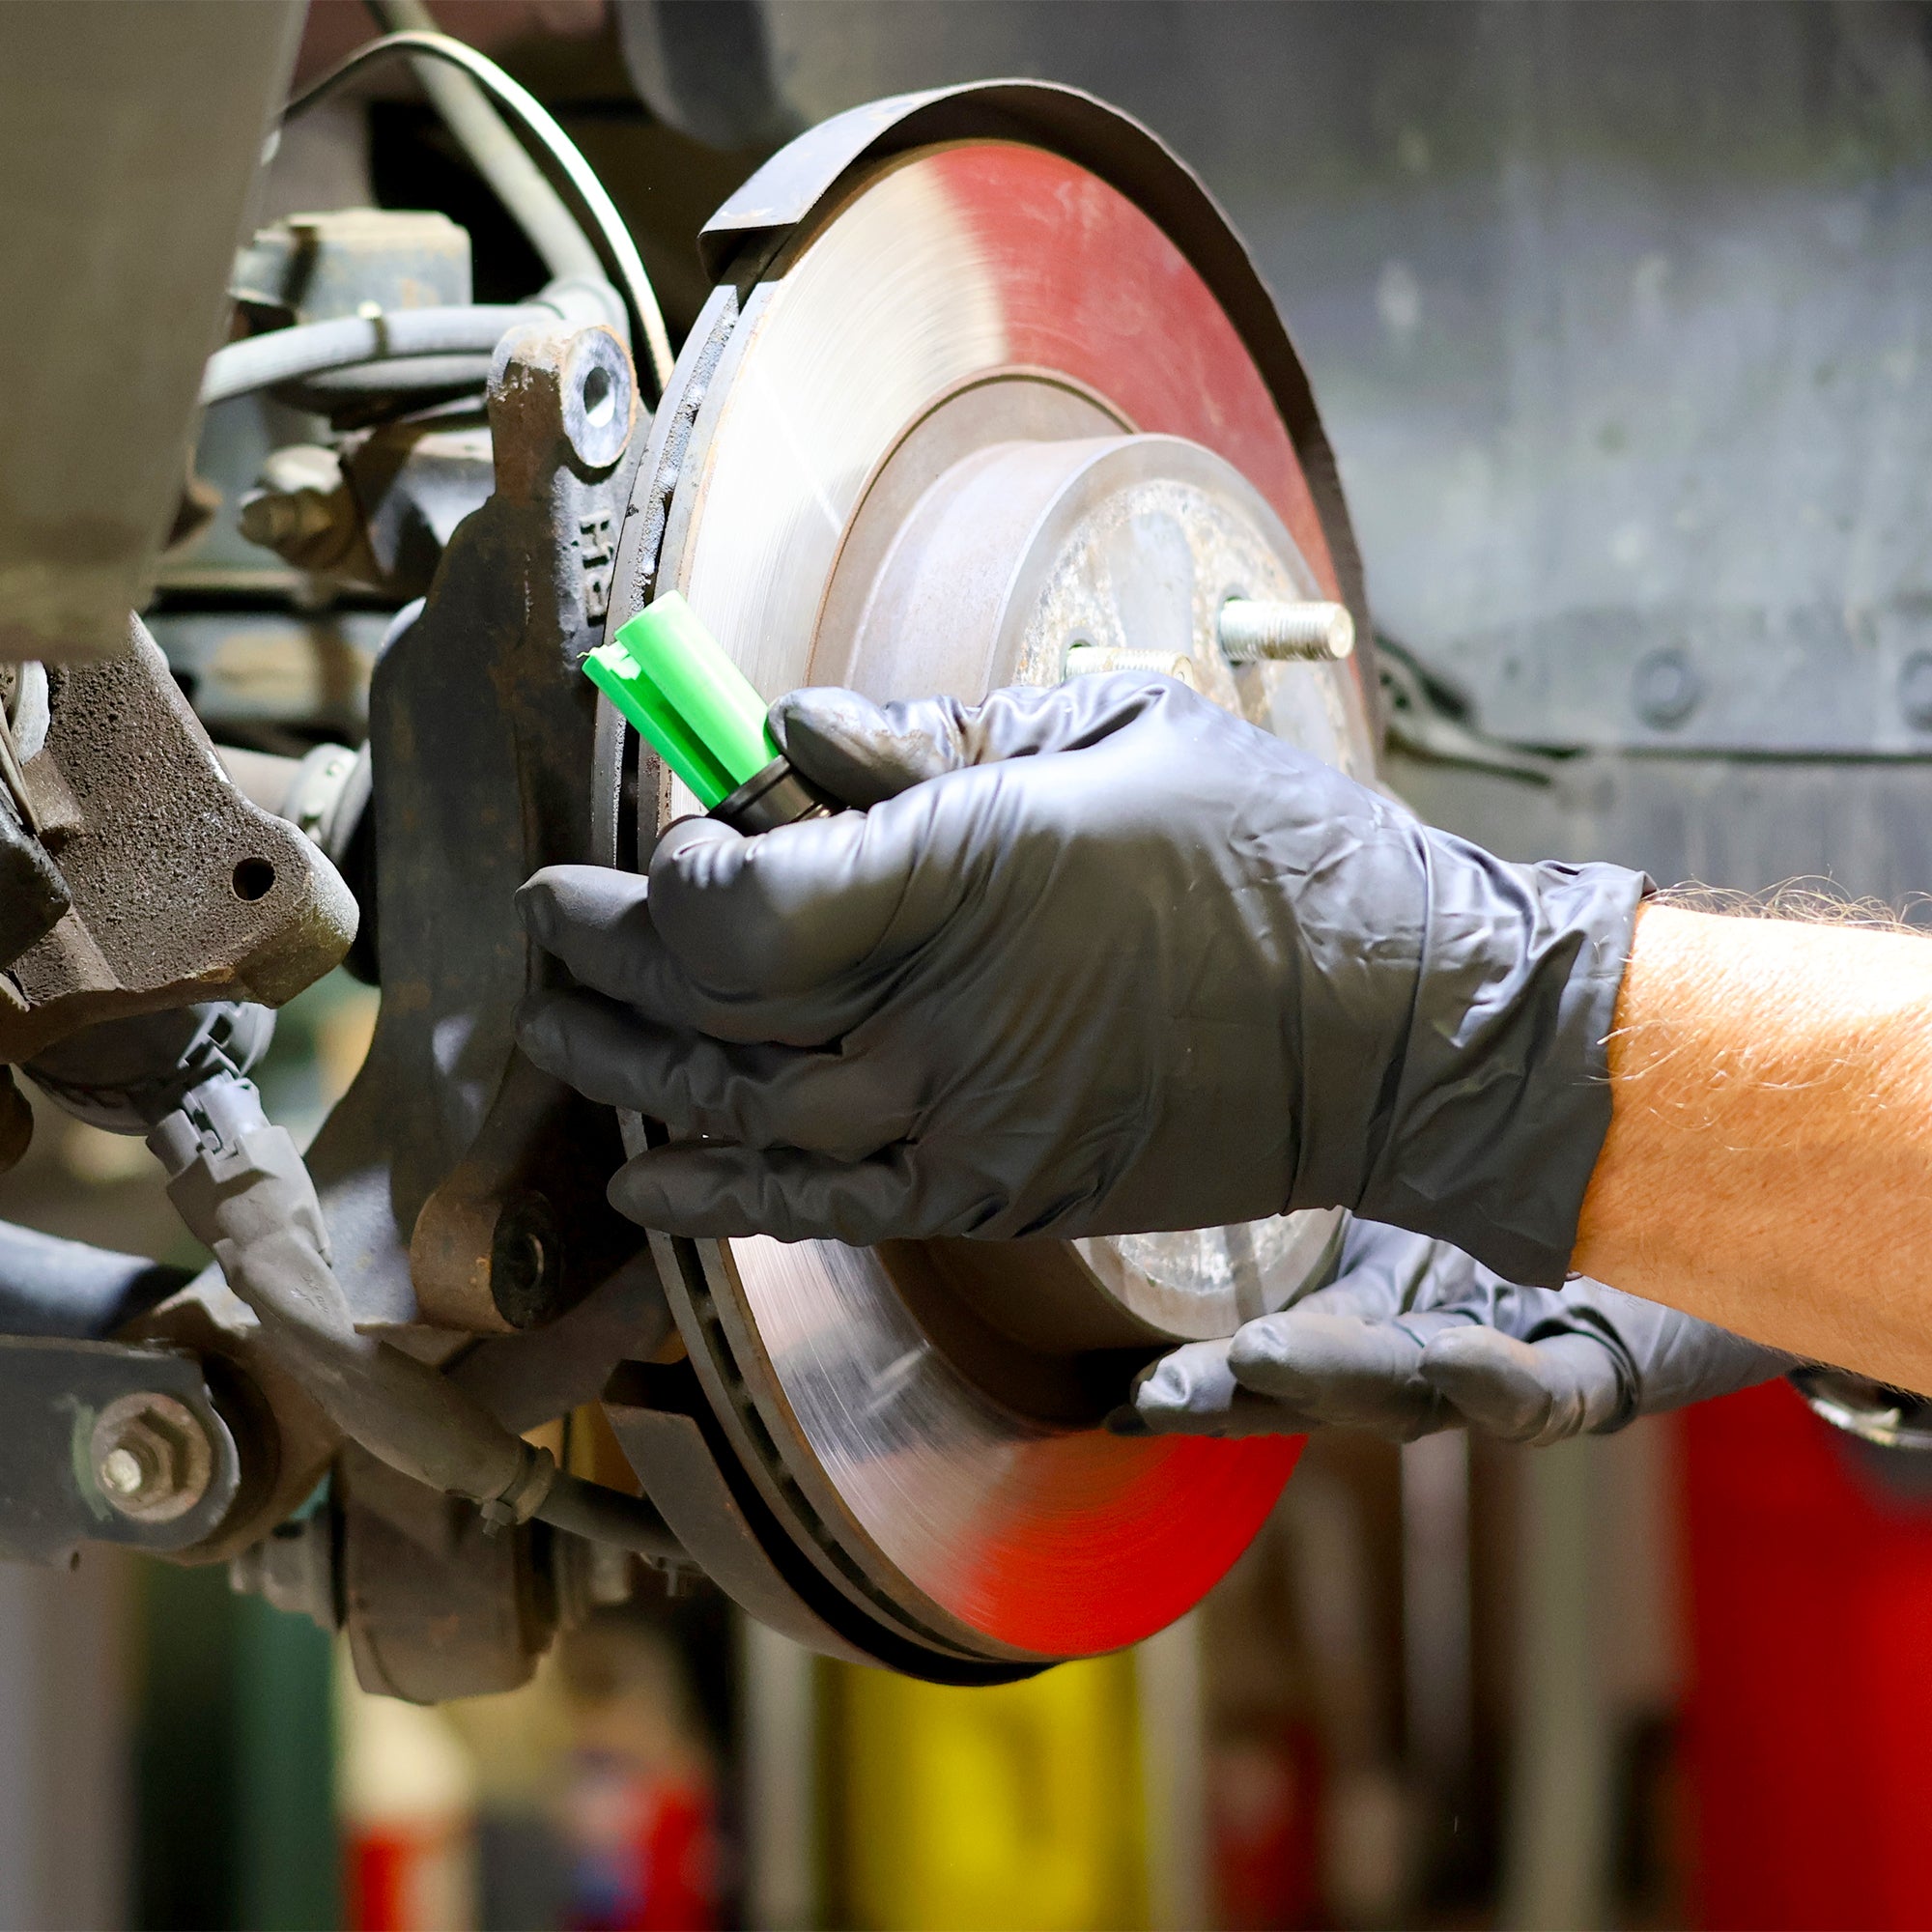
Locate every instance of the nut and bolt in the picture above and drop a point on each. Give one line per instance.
(301, 508)
(1253, 631)
(1096, 660)
(527, 1257)
(151, 1457)
(126, 1471)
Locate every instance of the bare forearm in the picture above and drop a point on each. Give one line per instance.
(1769, 1164)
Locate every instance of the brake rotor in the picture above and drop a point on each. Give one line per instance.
(977, 407)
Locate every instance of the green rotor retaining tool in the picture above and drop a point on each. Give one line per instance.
(671, 681)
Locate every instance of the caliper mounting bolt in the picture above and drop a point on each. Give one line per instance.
(1253, 630)
(150, 1457)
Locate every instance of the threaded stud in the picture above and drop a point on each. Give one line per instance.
(1096, 660)
(1253, 630)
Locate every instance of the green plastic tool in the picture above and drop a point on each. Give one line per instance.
(671, 680)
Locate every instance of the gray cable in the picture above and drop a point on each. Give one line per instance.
(604, 1515)
(243, 1188)
(287, 355)
(50, 1286)
(515, 179)
(403, 375)
(541, 126)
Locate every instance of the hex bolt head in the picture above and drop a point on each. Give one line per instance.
(1254, 630)
(150, 1457)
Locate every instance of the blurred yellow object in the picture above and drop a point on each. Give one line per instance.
(342, 1036)
(1015, 1810)
(100, 1159)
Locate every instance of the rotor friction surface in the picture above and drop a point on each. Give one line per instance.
(1052, 1543)
(946, 268)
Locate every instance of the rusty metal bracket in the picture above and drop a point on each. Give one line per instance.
(436, 1604)
(180, 888)
(519, 1232)
(461, 1187)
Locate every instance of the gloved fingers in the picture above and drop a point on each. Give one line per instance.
(794, 935)
(1404, 1270)
(864, 752)
(721, 1191)
(788, 916)
(757, 1095)
(598, 921)
(1339, 1370)
(1344, 1295)
(1193, 1392)
(1531, 1392)
(1368, 1294)
(1364, 1294)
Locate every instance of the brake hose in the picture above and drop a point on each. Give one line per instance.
(498, 156)
(288, 355)
(537, 121)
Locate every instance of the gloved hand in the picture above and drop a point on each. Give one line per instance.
(1099, 959)
(1412, 1336)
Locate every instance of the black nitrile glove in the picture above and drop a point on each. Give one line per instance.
(1412, 1336)
(1099, 959)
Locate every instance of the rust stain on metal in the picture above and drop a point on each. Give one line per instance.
(181, 889)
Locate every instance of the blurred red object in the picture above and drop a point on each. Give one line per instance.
(1812, 1689)
(1265, 1801)
(407, 1877)
(641, 1846)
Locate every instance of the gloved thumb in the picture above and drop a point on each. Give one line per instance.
(1532, 1392)
(864, 752)
(858, 751)
(1193, 1392)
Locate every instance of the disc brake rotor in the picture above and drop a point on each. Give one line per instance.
(979, 408)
